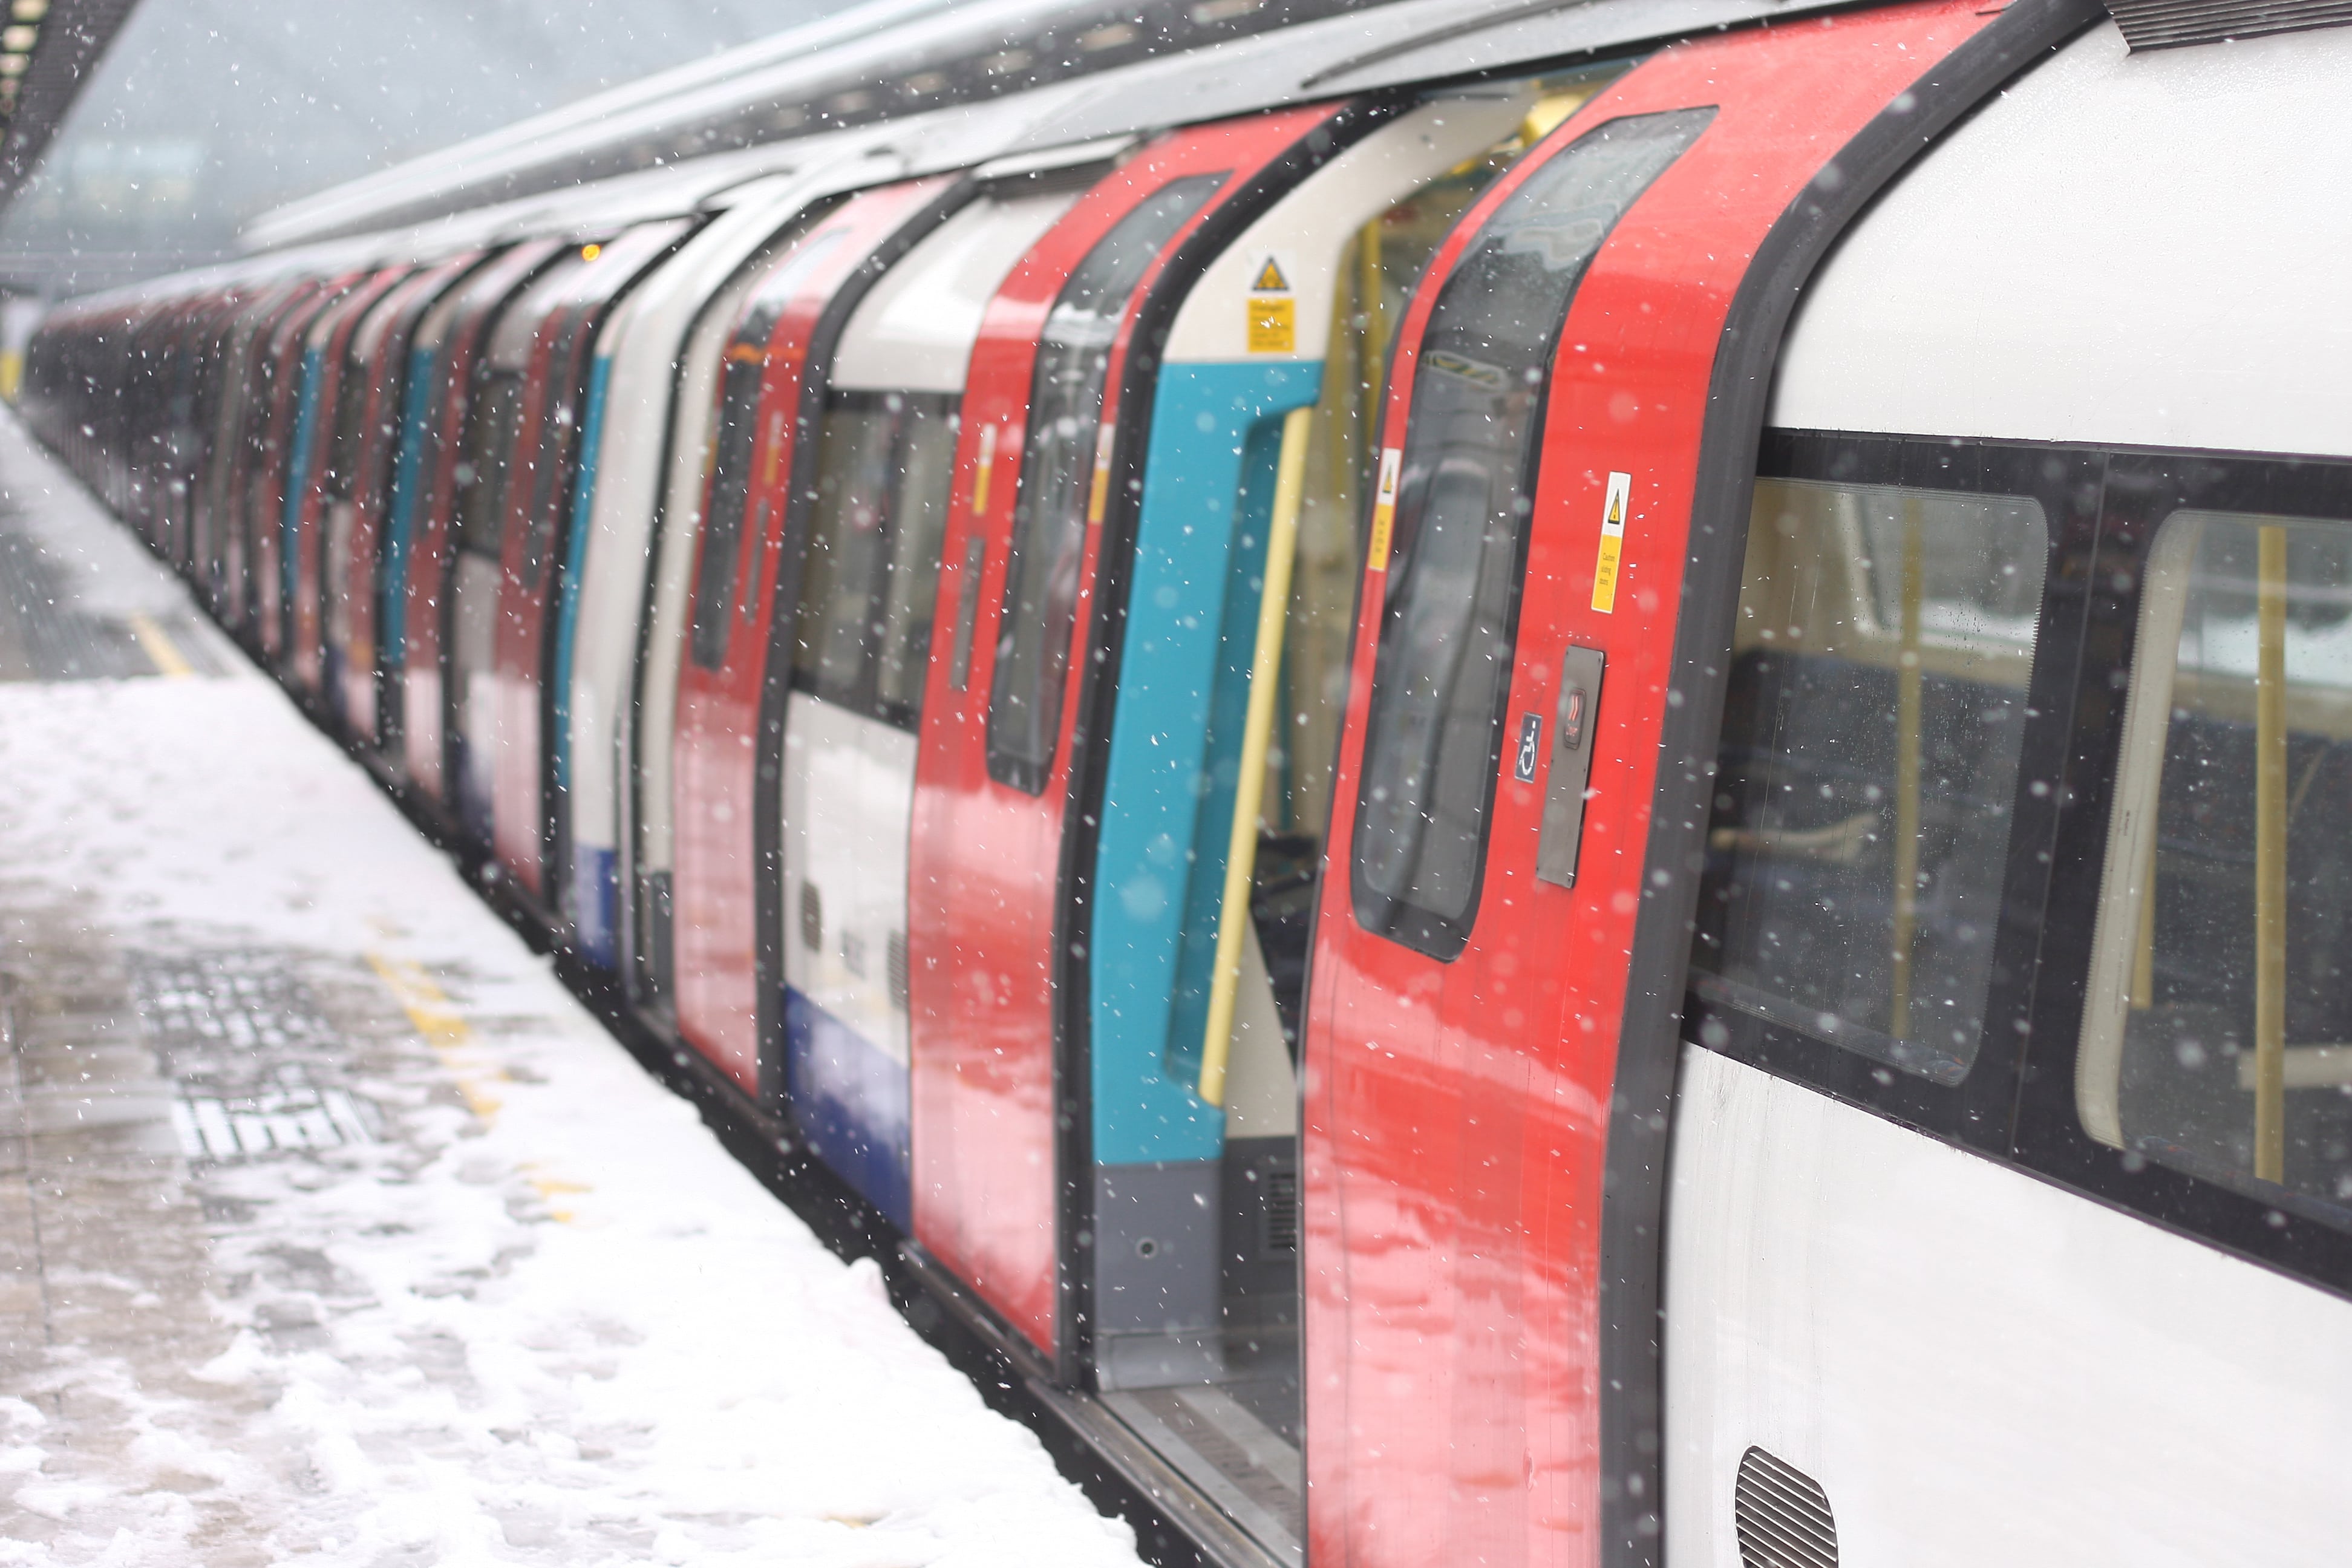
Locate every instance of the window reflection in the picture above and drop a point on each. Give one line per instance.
(2218, 1036)
(871, 574)
(1869, 766)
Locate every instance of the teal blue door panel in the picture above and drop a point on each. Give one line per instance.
(298, 467)
(1175, 748)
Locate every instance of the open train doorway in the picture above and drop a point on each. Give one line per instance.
(1233, 679)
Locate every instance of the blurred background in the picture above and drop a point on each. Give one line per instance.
(157, 164)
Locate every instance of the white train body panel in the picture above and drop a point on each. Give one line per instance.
(915, 330)
(1977, 1365)
(849, 796)
(2130, 249)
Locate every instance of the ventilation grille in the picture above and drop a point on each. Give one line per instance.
(812, 918)
(1281, 1210)
(901, 992)
(1782, 1515)
(2167, 24)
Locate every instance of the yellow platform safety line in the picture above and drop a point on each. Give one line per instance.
(552, 1188)
(1257, 733)
(160, 650)
(451, 1039)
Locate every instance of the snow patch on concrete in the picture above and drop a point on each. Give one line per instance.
(546, 1318)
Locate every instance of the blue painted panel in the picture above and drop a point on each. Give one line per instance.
(297, 470)
(391, 610)
(594, 896)
(1191, 625)
(575, 560)
(849, 1101)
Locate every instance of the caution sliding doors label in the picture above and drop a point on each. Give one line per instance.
(1273, 324)
(1612, 543)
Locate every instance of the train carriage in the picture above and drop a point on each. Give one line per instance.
(560, 419)
(652, 378)
(330, 414)
(1533, 786)
(420, 548)
(368, 483)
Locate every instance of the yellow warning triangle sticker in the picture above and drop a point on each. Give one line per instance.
(1270, 278)
(1617, 509)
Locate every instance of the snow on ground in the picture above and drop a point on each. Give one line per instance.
(539, 1316)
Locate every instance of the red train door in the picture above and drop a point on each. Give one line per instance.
(453, 334)
(539, 497)
(1567, 449)
(1045, 432)
(728, 737)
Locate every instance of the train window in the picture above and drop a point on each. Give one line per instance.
(872, 567)
(1434, 736)
(740, 441)
(551, 460)
(1057, 471)
(1869, 764)
(351, 417)
(2218, 1030)
(848, 550)
(730, 490)
(918, 529)
(481, 506)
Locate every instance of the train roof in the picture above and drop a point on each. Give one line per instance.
(929, 87)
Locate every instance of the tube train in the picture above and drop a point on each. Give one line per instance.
(1555, 793)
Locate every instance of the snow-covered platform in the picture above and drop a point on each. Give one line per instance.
(333, 1227)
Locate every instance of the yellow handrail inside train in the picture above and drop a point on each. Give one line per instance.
(1257, 735)
(2270, 856)
(1907, 770)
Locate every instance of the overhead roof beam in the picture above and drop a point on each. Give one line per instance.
(58, 42)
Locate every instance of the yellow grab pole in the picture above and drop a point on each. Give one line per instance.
(1257, 735)
(1907, 770)
(2270, 857)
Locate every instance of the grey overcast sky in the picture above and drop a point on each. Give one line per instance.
(205, 113)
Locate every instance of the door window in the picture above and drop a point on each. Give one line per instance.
(551, 460)
(482, 476)
(344, 445)
(740, 444)
(1434, 733)
(730, 488)
(883, 470)
(1057, 476)
(1869, 766)
(2218, 1037)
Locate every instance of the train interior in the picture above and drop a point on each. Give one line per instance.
(2214, 1060)
(1870, 761)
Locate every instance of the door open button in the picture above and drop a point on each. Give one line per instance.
(1572, 765)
